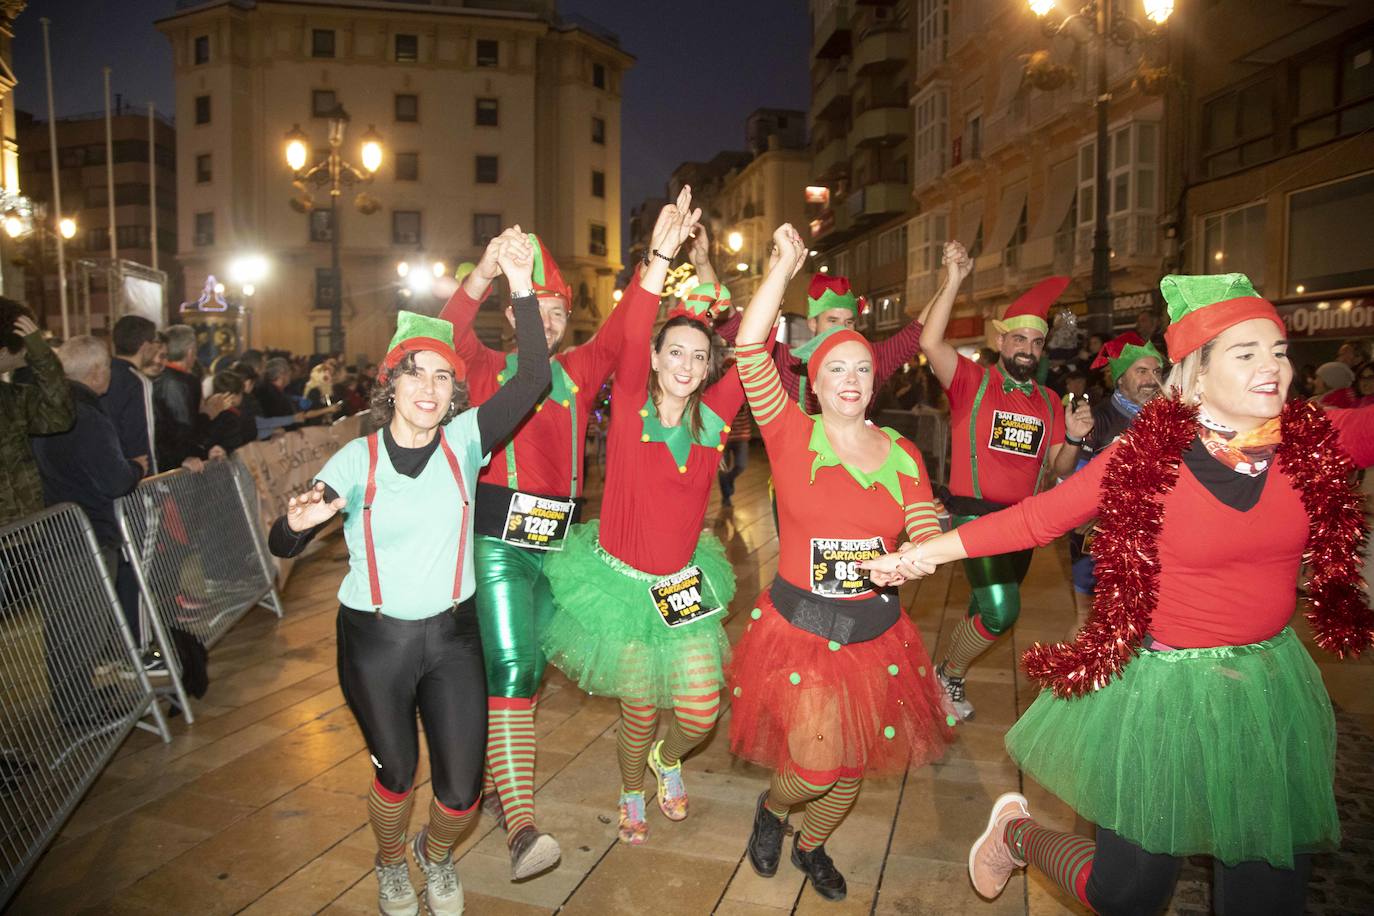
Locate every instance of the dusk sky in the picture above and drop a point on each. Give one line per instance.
(700, 69)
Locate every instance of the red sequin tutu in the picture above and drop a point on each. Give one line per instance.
(828, 710)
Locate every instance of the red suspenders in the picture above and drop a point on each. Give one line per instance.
(373, 581)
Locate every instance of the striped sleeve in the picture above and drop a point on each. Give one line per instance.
(921, 523)
(918, 513)
(762, 386)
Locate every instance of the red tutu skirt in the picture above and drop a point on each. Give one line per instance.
(829, 711)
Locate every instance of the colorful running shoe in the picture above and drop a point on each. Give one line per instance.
(672, 794)
(633, 829)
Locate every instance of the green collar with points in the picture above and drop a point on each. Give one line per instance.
(898, 462)
(679, 438)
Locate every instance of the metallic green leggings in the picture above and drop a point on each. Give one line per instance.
(996, 584)
(514, 605)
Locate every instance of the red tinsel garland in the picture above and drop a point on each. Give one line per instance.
(1143, 470)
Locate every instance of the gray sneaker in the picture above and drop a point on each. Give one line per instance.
(443, 890)
(395, 896)
(954, 689)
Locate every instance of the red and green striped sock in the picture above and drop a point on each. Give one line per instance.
(693, 719)
(389, 814)
(638, 724)
(510, 758)
(1065, 858)
(970, 640)
(824, 814)
(787, 790)
(445, 827)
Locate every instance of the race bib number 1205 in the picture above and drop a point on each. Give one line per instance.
(1016, 433)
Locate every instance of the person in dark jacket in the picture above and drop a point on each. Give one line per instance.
(26, 410)
(176, 397)
(129, 401)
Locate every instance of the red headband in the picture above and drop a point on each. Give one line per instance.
(813, 362)
(1199, 326)
(418, 345)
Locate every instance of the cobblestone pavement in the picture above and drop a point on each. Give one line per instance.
(259, 807)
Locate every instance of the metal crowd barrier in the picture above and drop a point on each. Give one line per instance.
(72, 685)
(199, 555)
(929, 431)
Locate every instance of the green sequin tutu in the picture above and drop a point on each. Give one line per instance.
(1225, 751)
(607, 636)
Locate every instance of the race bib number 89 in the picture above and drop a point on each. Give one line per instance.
(1016, 433)
(538, 523)
(679, 599)
(835, 570)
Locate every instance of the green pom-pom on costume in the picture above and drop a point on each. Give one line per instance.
(607, 636)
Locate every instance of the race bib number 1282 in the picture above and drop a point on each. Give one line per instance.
(536, 522)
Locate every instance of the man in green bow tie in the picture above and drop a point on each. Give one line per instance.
(1008, 435)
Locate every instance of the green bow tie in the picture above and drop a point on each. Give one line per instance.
(1008, 386)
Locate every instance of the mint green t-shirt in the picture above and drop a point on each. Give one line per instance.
(415, 524)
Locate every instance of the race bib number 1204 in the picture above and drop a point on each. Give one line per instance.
(679, 598)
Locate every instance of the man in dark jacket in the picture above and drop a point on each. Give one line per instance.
(26, 410)
(176, 400)
(129, 401)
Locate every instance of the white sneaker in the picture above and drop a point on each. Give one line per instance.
(954, 689)
(395, 896)
(443, 890)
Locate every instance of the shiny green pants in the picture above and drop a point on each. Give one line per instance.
(996, 585)
(514, 605)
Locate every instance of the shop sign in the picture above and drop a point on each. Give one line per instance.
(1329, 318)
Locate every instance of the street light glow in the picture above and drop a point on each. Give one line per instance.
(248, 269)
(403, 269)
(617, 295)
(734, 241)
(438, 269)
(1041, 7)
(219, 288)
(14, 226)
(372, 150)
(296, 150)
(67, 226)
(249, 289)
(1159, 11)
(419, 281)
(742, 267)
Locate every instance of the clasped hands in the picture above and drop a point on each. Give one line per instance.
(902, 565)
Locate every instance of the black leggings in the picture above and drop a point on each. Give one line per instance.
(389, 668)
(1128, 881)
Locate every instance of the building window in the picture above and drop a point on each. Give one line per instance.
(488, 113)
(405, 227)
(1324, 254)
(326, 295)
(1335, 93)
(202, 52)
(599, 131)
(407, 49)
(598, 183)
(931, 140)
(322, 43)
(321, 225)
(1238, 128)
(1012, 256)
(407, 166)
(488, 169)
(202, 109)
(1133, 165)
(407, 107)
(973, 137)
(891, 246)
(932, 29)
(599, 76)
(488, 52)
(926, 236)
(323, 103)
(597, 236)
(1233, 242)
(485, 227)
(203, 172)
(205, 230)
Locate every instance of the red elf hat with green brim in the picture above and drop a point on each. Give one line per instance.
(1032, 309)
(548, 282)
(1121, 353)
(417, 333)
(1201, 307)
(704, 303)
(827, 292)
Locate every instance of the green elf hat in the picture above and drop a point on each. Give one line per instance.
(1032, 309)
(416, 333)
(1201, 307)
(705, 302)
(827, 292)
(1121, 353)
(548, 282)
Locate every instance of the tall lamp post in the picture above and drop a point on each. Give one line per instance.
(334, 173)
(1097, 24)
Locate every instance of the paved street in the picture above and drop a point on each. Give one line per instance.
(259, 806)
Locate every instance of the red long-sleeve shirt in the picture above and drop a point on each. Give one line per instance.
(1227, 578)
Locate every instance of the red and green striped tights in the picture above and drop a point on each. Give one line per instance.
(827, 801)
(389, 814)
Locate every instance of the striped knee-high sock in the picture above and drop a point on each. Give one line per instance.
(510, 757)
(389, 814)
(787, 790)
(970, 640)
(824, 814)
(1065, 858)
(445, 827)
(693, 719)
(488, 784)
(638, 723)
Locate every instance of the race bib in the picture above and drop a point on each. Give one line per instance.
(1016, 433)
(678, 598)
(835, 571)
(537, 523)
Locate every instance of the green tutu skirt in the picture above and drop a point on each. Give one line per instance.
(1226, 751)
(607, 636)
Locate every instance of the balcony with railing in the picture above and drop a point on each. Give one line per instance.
(831, 37)
(884, 121)
(884, 49)
(831, 96)
(831, 159)
(1135, 240)
(878, 200)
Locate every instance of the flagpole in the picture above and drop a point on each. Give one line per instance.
(56, 189)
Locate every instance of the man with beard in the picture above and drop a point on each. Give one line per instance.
(1007, 434)
(1137, 371)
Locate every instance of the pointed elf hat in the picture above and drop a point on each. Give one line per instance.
(548, 282)
(827, 292)
(1032, 309)
(705, 302)
(1121, 353)
(416, 333)
(1202, 306)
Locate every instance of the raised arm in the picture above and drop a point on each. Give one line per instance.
(498, 417)
(756, 324)
(699, 256)
(47, 405)
(943, 358)
(461, 308)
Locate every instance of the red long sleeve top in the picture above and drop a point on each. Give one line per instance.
(1227, 578)
(549, 444)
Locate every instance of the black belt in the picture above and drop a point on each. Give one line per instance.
(841, 621)
(493, 502)
(968, 505)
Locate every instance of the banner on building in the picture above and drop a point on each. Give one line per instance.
(1328, 318)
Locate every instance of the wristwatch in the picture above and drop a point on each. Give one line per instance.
(521, 293)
